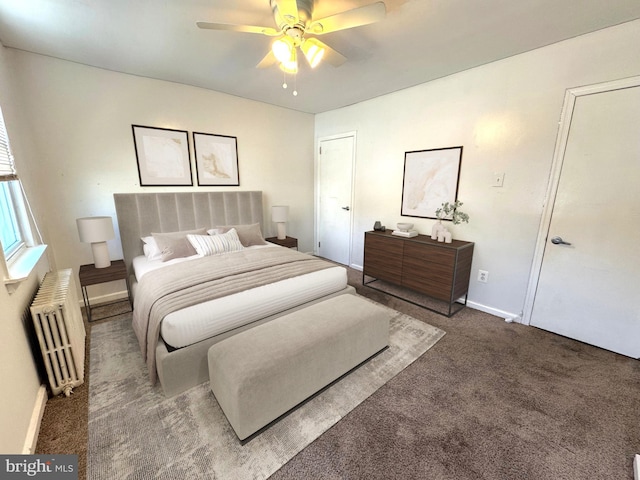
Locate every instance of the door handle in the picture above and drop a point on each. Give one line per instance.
(559, 241)
(346, 208)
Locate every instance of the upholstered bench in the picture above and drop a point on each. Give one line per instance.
(262, 373)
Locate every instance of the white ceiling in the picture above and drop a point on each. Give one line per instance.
(418, 41)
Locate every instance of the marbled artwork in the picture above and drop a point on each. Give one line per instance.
(216, 159)
(163, 156)
(430, 179)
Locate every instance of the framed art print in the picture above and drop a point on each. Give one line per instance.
(430, 178)
(163, 156)
(216, 159)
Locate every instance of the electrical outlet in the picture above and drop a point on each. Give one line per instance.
(483, 276)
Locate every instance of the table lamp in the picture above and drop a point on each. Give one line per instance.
(279, 215)
(96, 231)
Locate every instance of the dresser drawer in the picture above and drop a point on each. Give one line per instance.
(383, 258)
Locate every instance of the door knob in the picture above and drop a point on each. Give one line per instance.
(559, 241)
(346, 208)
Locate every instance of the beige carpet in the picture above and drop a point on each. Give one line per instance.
(137, 433)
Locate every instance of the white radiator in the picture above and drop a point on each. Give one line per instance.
(60, 329)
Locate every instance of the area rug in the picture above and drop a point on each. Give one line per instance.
(137, 433)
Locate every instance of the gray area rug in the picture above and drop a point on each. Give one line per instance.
(137, 433)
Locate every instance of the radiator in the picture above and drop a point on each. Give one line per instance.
(60, 329)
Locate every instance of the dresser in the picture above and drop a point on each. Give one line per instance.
(438, 270)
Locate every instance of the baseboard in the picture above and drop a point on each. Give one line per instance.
(31, 439)
(111, 297)
(508, 316)
(636, 467)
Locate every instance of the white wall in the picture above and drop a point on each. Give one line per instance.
(18, 372)
(81, 123)
(505, 115)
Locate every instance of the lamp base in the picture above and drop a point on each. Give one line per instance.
(281, 231)
(100, 254)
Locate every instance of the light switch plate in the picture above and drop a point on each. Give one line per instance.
(498, 179)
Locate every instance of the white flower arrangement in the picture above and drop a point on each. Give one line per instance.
(449, 211)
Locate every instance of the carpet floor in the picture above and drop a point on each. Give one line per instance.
(491, 400)
(135, 432)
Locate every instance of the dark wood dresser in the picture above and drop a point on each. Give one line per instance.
(435, 269)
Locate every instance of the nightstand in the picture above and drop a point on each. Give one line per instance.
(90, 275)
(288, 242)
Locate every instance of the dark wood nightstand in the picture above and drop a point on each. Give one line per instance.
(90, 275)
(288, 242)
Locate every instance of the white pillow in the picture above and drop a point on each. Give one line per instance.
(207, 245)
(150, 248)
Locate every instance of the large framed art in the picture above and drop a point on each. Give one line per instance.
(216, 159)
(163, 156)
(430, 178)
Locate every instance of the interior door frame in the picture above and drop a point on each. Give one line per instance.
(319, 140)
(562, 139)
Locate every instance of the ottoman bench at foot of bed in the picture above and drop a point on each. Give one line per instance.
(262, 373)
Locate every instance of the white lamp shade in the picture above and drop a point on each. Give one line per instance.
(279, 213)
(95, 229)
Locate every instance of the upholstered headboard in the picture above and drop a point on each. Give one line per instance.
(139, 214)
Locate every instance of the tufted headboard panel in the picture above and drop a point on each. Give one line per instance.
(139, 214)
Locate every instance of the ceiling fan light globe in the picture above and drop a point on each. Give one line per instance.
(313, 51)
(289, 67)
(283, 49)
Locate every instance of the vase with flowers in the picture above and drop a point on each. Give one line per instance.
(448, 211)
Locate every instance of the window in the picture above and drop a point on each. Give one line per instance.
(11, 236)
(18, 259)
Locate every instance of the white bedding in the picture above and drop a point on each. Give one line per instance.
(195, 323)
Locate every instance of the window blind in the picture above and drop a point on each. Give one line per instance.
(7, 168)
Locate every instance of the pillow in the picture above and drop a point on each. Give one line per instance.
(150, 248)
(248, 234)
(175, 244)
(215, 244)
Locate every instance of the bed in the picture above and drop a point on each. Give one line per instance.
(184, 305)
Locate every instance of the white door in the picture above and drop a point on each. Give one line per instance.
(589, 287)
(335, 179)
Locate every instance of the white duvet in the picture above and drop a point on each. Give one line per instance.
(198, 322)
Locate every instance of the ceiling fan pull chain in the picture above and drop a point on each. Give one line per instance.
(284, 79)
(295, 84)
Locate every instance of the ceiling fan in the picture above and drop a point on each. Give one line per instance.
(295, 23)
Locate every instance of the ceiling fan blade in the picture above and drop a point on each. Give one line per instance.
(287, 10)
(349, 19)
(331, 56)
(272, 32)
(269, 60)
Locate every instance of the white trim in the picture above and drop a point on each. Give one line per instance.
(110, 297)
(554, 179)
(508, 316)
(352, 134)
(31, 440)
(636, 467)
(20, 267)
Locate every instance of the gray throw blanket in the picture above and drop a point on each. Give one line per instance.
(171, 288)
